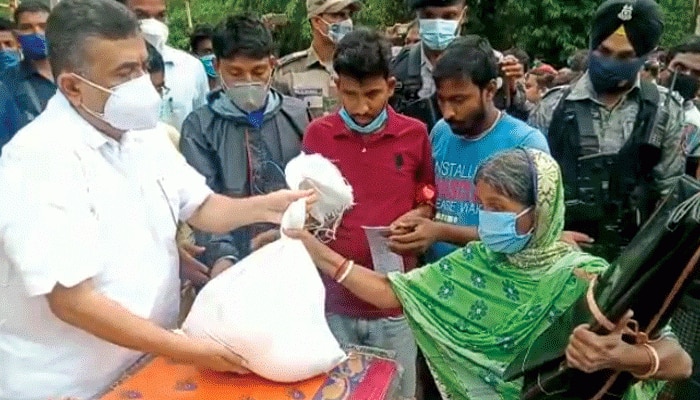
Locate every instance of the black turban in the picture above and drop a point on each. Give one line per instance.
(642, 19)
(416, 4)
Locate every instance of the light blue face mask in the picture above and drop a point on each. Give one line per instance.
(370, 128)
(499, 233)
(437, 34)
(338, 30)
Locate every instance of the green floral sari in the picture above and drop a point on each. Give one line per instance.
(473, 311)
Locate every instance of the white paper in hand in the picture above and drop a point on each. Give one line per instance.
(269, 308)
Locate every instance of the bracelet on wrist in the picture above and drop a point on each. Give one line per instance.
(340, 270)
(345, 274)
(655, 362)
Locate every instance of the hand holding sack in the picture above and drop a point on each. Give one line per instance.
(269, 308)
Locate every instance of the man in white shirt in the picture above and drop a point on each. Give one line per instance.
(185, 76)
(91, 196)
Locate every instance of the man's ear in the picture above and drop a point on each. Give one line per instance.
(313, 22)
(391, 82)
(491, 89)
(464, 19)
(70, 86)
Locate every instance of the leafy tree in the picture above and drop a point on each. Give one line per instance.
(547, 29)
(679, 21)
(292, 37)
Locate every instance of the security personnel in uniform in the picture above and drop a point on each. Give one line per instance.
(308, 74)
(616, 137)
(439, 23)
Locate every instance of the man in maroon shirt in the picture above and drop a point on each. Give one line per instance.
(387, 159)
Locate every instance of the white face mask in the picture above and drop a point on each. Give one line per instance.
(155, 32)
(133, 105)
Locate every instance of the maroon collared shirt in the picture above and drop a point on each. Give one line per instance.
(385, 170)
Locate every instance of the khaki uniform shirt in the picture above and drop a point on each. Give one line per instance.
(302, 75)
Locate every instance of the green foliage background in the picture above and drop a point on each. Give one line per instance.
(549, 29)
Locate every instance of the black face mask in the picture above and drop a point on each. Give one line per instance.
(687, 86)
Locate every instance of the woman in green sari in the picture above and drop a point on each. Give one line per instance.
(473, 311)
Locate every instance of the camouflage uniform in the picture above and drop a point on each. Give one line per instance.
(302, 75)
(613, 127)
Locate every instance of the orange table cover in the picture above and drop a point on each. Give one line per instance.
(361, 377)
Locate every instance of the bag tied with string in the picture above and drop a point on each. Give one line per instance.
(648, 278)
(269, 308)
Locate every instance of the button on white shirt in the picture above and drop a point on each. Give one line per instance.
(77, 205)
(188, 83)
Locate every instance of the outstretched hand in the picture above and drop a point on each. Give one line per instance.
(275, 204)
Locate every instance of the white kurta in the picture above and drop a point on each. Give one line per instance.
(75, 205)
(188, 83)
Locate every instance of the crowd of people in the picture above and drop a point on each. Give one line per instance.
(130, 169)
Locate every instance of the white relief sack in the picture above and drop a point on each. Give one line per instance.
(270, 307)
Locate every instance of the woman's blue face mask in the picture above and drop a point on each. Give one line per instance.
(499, 231)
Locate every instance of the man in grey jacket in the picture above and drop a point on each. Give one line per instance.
(243, 138)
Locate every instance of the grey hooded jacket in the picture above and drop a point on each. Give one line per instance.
(239, 160)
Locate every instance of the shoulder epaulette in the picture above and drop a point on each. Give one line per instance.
(293, 57)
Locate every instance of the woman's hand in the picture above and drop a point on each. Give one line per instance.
(325, 259)
(576, 239)
(590, 352)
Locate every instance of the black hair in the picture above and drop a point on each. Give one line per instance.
(363, 53)
(521, 55)
(6, 24)
(73, 22)
(155, 62)
(690, 45)
(469, 57)
(243, 34)
(30, 6)
(200, 33)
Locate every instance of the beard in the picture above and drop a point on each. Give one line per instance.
(470, 126)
